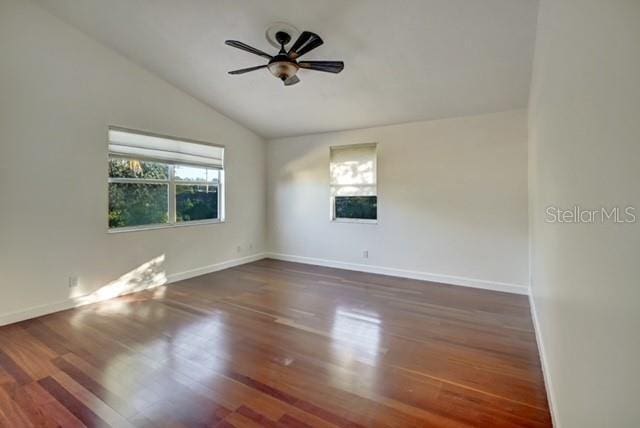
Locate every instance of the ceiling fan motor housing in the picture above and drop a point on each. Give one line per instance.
(283, 38)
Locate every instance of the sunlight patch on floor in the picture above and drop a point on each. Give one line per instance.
(148, 275)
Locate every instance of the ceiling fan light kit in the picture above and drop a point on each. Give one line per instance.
(284, 65)
(283, 70)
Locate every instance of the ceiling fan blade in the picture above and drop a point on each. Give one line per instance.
(246, 70)
(305, 43)
(326, 66)
(302, 39)
(291, 80)
(246, 47)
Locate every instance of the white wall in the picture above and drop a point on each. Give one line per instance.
(452, 200)
(585, 150)
(59, 90)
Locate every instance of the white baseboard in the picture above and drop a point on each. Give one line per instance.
(40, 310)
(214, 268)
(424, 276)
(543, 361)
(49, 308)
(35, 311)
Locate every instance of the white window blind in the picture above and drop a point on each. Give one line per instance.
(353, 170)
(140, 145)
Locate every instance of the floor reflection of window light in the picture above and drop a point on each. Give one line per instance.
(357, 336)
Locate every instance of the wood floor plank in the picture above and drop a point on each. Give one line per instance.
(278, 344)
(13, 369)
(72, 403)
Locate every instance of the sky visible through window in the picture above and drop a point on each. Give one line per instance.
(194, 173)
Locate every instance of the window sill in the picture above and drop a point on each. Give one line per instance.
(354, 220)
(163, 226)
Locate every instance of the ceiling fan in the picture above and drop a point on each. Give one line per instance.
(284, 65)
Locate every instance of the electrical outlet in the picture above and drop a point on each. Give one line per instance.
(365, 254)
(239, 248)
(251, 246)
(73, 281)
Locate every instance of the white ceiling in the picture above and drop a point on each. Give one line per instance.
(405, 60)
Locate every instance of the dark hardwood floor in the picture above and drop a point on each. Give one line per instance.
(277, 344)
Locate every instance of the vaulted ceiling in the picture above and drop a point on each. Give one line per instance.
(405, 60)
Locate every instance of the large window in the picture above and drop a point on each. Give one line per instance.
(160, 181)
(354, 194)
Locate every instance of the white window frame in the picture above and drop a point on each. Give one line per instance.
(332, 198)
(171, 183)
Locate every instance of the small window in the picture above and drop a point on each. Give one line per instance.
(160, 181)
(354, 195)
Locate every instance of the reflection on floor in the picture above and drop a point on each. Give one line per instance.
(277, 344)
